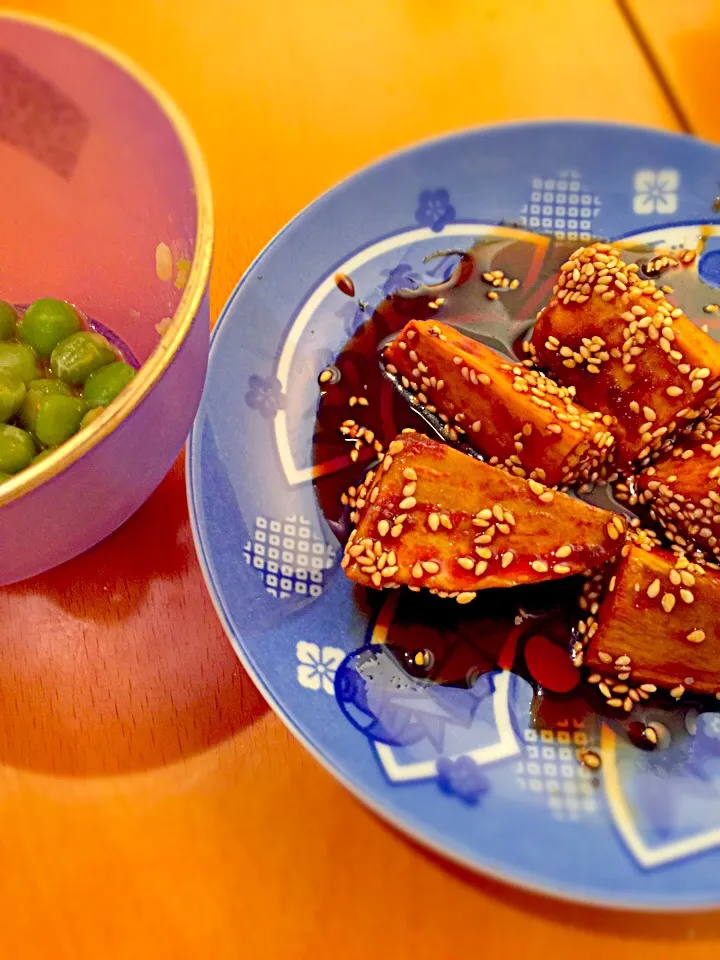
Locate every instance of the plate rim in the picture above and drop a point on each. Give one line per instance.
(406, 824)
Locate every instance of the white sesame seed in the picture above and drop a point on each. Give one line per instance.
(668, 602)
(537, 488)
(465, 597)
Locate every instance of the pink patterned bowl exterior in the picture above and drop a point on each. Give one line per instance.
(106, 203)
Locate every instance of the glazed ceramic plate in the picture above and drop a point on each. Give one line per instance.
(464, 752)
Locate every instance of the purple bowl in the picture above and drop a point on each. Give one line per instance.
(106, 203)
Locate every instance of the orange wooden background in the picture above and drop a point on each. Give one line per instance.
(150, 805)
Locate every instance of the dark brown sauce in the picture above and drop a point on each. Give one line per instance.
(515, 629)
(638, 735)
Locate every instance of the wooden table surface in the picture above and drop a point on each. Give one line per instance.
(150, 804)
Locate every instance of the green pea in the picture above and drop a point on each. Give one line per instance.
(57, 418)
(36, 390)
(43, 455)
(46, 322)
(75, 357)
(4, 476)
(90, 416)
(50, 386)
(28, 410)
(8, 321)
(103, 385)
(16, 448)
(12, 394)
(20, 361)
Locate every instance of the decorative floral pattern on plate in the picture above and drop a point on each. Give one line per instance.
(458, 748)
(656, 192)
(462, 778)
(317, 666)
(434, 209)
(265, 395)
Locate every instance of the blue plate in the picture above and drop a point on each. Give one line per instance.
(473, 769)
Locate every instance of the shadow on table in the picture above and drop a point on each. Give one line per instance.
(116, 661)
(626, 925)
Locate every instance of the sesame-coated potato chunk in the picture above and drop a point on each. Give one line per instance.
(682, 493)
(431, 516)
(654, 625)
(614, 337)
(516, 417)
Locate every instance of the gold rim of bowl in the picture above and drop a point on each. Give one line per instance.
(193, 292)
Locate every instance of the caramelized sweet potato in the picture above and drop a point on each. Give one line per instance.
(628, 352)
(516, 418)
(433, 517)
(682, 493)
(654, 625)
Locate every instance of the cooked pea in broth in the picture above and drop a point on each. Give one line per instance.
(58, 372)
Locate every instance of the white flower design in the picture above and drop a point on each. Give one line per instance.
(317, 665)
(655, 191)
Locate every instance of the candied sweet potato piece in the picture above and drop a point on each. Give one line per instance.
(627, 351)
(682, 493)
(431, 516)
(654, 625)
(516, 418)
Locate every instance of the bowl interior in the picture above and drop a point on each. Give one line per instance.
(96, 190)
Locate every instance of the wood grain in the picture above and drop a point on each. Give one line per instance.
(150, 806)
(683, 49)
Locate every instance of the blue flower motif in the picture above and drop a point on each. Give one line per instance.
(265, 395)
(434, 209)
(461, 778)
(353, 317)
(400, 277)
